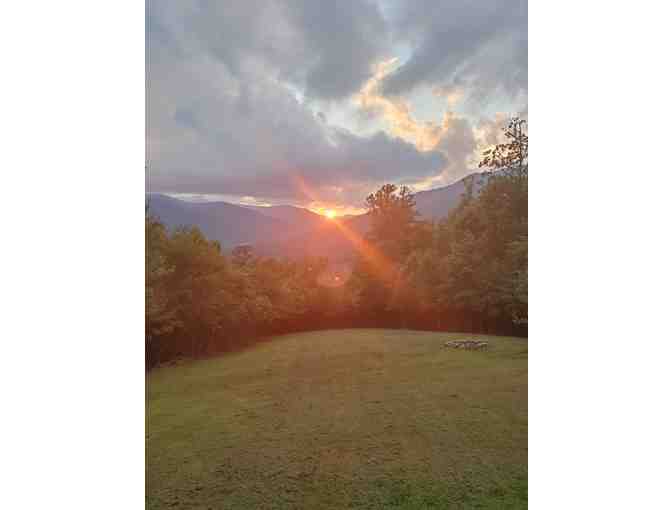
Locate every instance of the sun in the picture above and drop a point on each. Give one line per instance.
(330, 213)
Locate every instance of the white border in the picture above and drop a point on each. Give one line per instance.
(600, 255)
(71, 267)
(72, 255)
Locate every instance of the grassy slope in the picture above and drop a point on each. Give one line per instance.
(342, 419)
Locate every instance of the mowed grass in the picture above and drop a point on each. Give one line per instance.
(342, 419)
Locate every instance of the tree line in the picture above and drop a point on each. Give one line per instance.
(467, 272)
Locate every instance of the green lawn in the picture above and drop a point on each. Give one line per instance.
(342, 419)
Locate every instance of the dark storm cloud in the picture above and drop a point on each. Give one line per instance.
(234, 90)
(324, 46)
(345, 37)
(222, 113)
(252, 137)
(478, 46)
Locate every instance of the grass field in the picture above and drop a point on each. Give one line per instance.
(342, 419)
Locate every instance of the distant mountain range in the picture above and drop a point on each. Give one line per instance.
(227, 223)
(284, 230)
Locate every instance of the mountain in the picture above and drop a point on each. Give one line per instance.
(437, 203)
(298, 216)
(288, 231)
(334, 239)
(229, 224)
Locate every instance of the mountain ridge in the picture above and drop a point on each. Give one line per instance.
(286, 230)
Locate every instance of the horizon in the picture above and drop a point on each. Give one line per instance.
(203, 198)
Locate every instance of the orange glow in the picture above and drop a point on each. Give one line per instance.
(334, 211)
(384, 269)
(316, 204)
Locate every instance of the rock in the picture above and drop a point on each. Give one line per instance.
(468, 344)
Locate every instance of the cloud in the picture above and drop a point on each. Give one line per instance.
(479, 47)
(321, 46)
(345, 38)
(452, 95)
(253, 137)
(453, 136)
(236, 93)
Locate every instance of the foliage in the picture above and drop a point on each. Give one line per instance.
(393, 220)
(200, 301)
(511, 155)
(160, 317)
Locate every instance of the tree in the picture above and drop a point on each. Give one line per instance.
(512, 155)
(393, 220)
(201, 289)
(242, 255)
(377, 285)
(513, 286)
(160, 316)
(481, 247)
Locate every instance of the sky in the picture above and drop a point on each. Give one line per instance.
(317, 103)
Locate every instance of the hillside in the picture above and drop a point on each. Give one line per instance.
(231, 224)
(342, 419)
(288, 231)
(327, 240)
(279, 231)
(290, 214)
(437, 203)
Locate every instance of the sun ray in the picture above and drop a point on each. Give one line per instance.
(384, 269)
